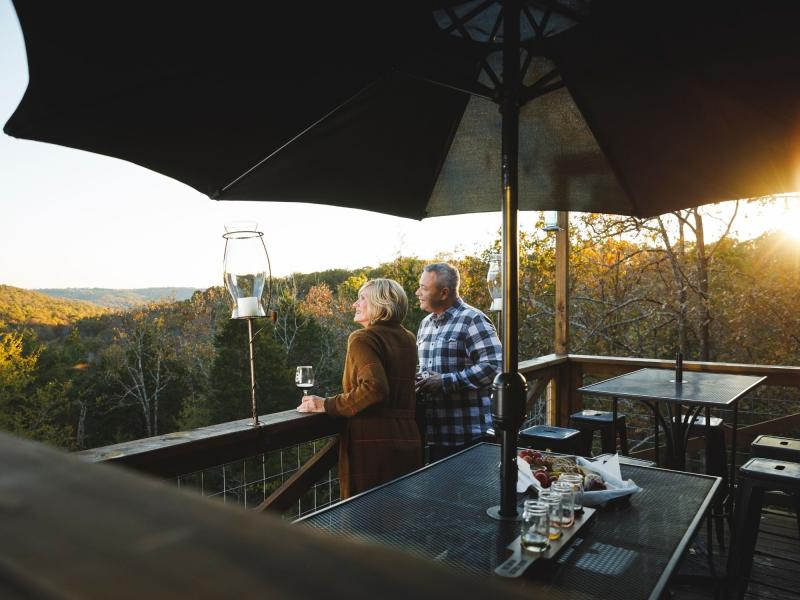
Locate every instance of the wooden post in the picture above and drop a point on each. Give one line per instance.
(562, 284)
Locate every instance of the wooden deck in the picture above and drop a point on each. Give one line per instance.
(776, 564)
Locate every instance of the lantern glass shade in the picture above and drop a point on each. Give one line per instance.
(245, 269)
(551, 221)
(494, 279)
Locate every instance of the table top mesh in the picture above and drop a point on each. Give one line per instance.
(712, 389)
(439, 513)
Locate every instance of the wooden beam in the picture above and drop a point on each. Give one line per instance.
(69, 529)
(542, 381)
(614, 365)
(301, 480)
(562, 285)
(184, 452)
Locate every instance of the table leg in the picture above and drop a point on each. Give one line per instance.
(614, 422)
(678, 447)
(655, 427)
(732, 479)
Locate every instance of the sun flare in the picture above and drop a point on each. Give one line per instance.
(779, 215)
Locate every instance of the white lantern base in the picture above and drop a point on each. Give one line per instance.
(248, 308)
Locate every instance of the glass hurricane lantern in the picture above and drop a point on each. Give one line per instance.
(494, 280)
(246, 273)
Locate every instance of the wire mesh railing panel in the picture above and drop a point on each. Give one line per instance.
(250, 481)
(535, 410)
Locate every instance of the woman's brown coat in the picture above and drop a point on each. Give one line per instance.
(380, 439)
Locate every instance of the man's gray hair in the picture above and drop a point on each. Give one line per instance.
(446, 276)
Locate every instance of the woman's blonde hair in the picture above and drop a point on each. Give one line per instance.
(386, 300)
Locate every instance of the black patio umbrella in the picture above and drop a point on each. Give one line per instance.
(431, 108)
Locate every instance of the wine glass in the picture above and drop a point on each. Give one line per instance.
(304, 378)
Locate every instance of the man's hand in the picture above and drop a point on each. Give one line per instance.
(312, 404)
(432, 383)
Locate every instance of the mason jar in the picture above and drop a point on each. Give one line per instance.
(535, 526)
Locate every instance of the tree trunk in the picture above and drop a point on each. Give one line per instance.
(676, 255)
(80, 431)
(702, 278)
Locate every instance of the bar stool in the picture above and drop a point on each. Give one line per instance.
(716, 464)
(555, 439)
(716, 454)
(756, 476)
(589, 421)
(779, 448)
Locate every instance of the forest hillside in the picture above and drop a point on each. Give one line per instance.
(78, 375)
(121, 298)
(41, 312)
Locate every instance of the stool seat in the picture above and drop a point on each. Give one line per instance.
(627, 460)
(773, 472)
(548, 437)
(591, 417)
(780, 448)
(588, 421)
(700, 421)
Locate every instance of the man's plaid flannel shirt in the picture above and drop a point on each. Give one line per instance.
(462, 345)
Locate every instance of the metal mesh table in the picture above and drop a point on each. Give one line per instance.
(684, 400)
(439, 513)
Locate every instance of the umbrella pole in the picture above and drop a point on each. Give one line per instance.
(508, 388)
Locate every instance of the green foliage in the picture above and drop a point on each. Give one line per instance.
(77, 375)
(230, 396)
(406, 271)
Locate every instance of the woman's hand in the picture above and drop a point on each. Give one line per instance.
(312, 404)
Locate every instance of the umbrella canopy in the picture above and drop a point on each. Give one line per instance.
(626, 107)
(622, 106)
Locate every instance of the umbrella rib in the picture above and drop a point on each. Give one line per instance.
(474, 88)
(465, 34)
(541, 87)
(496, 27)
(227, 186)
(539, 29)
(467, 17)
(526, 64)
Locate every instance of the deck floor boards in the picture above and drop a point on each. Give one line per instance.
(776, 563)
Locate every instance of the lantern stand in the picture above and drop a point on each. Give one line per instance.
(245, 277)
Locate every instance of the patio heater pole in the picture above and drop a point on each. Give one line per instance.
(508, 388)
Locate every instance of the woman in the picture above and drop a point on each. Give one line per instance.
(380, 439)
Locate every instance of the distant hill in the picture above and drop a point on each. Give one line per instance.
(121, 299)
(27, 308)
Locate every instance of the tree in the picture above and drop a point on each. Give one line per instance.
(332, 317)
(230, 396)
(140, 363)
(16, 372)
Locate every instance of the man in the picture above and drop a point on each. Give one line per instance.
(459, 349)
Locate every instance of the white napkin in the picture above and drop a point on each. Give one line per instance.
(525, 478)
(607, 468)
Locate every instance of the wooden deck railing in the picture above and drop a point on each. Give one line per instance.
(552, 383)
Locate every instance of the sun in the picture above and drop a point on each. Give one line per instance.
(791, 230)
(789, 219)
(777, 215)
